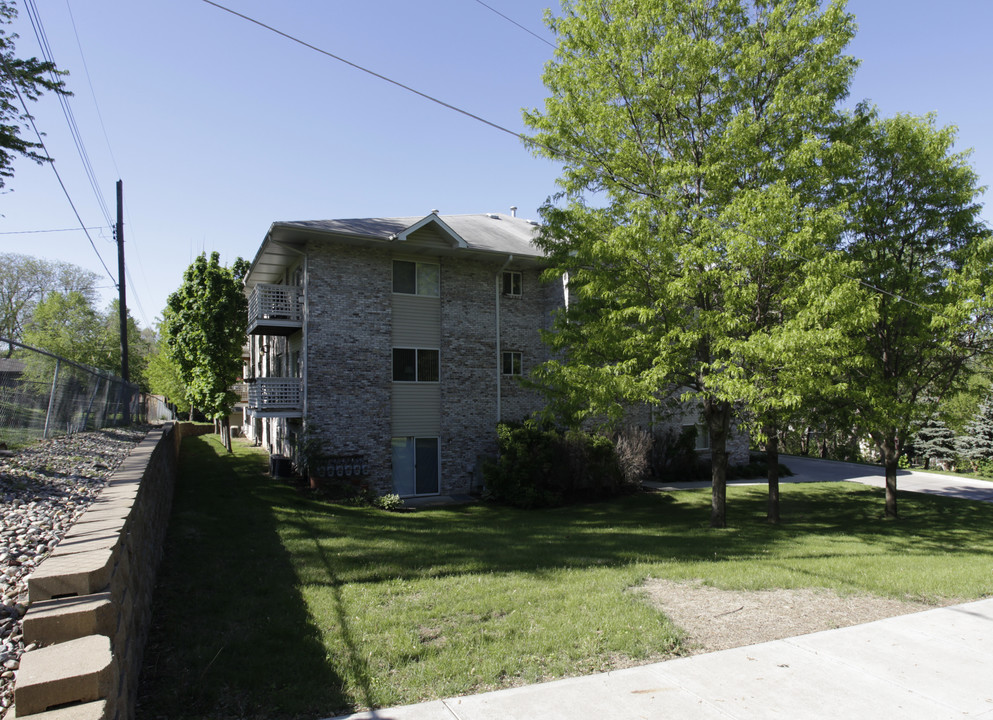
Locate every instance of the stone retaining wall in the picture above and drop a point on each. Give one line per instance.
(90, 600)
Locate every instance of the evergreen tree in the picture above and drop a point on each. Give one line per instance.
(976, 442)
(935, 442)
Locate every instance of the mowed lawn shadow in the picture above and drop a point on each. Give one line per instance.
(642, 528)
(231, 636)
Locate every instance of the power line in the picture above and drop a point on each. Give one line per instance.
(46, 51)
(511, 20)
(364, 69)
(527, 140)
(93, 94)
(41, 143)
(35, 232)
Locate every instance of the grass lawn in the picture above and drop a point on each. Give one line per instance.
(273, 603)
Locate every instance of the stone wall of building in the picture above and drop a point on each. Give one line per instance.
(349, 354)
(468, 369)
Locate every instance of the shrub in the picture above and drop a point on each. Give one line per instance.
(674, 455)
(391, 502)
(634, 450)
(542, 467)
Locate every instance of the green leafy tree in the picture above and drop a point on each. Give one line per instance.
(692, 134)
(26, 280)
(163, 372)
(914, 228)
(138, 346)
(205, 330)
(19, 80)
(67, 325)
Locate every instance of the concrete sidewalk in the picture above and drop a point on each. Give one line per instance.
(930, 665)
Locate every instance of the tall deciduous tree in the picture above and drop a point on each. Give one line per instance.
(691, 133)
(915, 230)
(67, 325)
(19, 80)
(25, 281)
(205, 330)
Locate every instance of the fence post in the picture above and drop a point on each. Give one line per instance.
(51, 397)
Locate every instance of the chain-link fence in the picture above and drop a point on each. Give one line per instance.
(43, 395)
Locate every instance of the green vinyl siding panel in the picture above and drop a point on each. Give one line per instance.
(416, 409)
(430, 236)
(416, 321)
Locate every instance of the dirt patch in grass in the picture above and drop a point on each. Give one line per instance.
(716, 619)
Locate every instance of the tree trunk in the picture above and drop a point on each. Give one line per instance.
(718, 416)
(891, 457)
(772, 458)
(226, 432)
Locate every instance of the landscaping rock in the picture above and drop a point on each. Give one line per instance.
(44, 489)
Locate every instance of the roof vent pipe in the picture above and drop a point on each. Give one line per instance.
(513, 211)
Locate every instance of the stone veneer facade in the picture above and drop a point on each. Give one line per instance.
(349, 353)
(347, 357)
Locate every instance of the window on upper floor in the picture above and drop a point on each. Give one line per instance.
(512, 283)
(416, 278)
(415, 365)
(511, 363)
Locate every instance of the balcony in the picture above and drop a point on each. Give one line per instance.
(275, 310)
(276, 397)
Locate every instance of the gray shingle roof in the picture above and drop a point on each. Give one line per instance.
(492, 232)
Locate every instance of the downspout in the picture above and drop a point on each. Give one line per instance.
(499, 358)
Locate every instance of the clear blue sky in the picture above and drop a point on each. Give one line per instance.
(219, 128)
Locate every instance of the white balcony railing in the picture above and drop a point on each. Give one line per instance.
(275, 394)
(275, 305)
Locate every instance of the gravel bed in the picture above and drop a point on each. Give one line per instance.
(715, 619)
(44, 489)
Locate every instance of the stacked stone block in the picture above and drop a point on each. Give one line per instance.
(90, 600)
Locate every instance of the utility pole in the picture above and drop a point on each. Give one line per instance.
(123, 301)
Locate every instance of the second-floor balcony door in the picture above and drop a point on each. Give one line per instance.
(415, 466)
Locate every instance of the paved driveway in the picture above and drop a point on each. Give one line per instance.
(816, 470)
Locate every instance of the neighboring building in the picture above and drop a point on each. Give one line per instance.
(397, 343)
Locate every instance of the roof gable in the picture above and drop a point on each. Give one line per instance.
(431, 230)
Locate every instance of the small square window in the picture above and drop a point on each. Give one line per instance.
(511, 363)
(701, 436)
(512, 283)
(414, 278)
(413, 365)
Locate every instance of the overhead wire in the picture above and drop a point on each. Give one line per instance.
(511, 20)
(41, 143)
(527, 140)
(46, 50)
(89, 81)
(35, 232)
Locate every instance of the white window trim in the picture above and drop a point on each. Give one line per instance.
(520, 363)
(520, 283)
